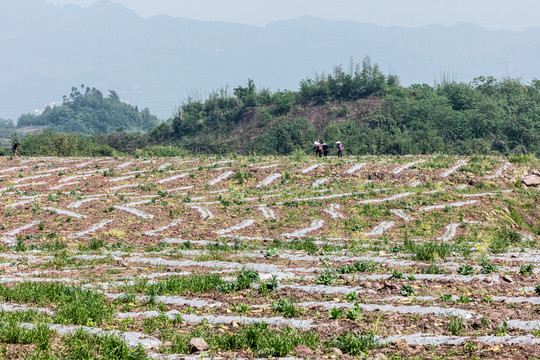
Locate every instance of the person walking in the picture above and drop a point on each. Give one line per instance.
(339, 147)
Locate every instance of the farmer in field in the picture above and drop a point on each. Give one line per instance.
(339, 147)
(14, 149)
(325, 149)
(318, 148)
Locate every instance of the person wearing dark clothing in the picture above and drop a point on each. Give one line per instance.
(325, 149)
(318, 148)
(14, 150)
(339, 147)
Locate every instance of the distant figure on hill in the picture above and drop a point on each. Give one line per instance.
(339, 146)
(318, 148)
(325, 149)
(14, 150)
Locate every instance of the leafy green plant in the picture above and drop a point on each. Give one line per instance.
(354, 313)
(359, 266)
(465, 270)
(446, 298)
(286, 307)
(269, 286)
(406, 290)
(326, 278)
(352, 296)
(526, 269)
(336, 313)
(396, 274)
(488, 268)
(463, 299)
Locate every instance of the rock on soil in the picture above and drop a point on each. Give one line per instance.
(532, 179)
(197, 345)
(302, 351)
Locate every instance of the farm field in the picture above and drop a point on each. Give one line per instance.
(269, 257)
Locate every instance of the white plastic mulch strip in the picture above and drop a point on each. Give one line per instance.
(172, 178)
(400, 213)
(451, 231)
(450, 171)
(124, 186)
(499, 172)
(310, 168)
(205, 213)
(16, 181)
(77, 204)
(124, 165)
(163, 228)
(244, 224)
(64, 184)
(221, 177)
(381, 228)
(406, 166)
(269, 179)
(320, 182)
(94, 228)
(391, 198)
(66, 212)
(267, 213)
(332, 210)
(135, 212)
(443, 206)
(122, 178)
(315, 225)
(355, 168)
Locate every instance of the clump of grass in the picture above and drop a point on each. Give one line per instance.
(355, 344)
(287, 308)
(13, 333)
(307, 244)
(427, 251)
(74, 304)
(243, 281)
(433, 268)
(179, 285)
(455, 325)
(359, 266)
(81, 345)
(502, 240)
(259, 339)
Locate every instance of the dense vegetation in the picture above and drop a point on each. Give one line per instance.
(371, 113)
(91, 113)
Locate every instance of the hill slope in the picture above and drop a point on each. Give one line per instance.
(158, 62)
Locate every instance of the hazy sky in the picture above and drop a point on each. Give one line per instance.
(491, 14)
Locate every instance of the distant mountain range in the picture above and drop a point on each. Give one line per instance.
(158, 62)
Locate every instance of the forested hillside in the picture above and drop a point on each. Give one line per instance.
(89, 112)
(371, 113)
